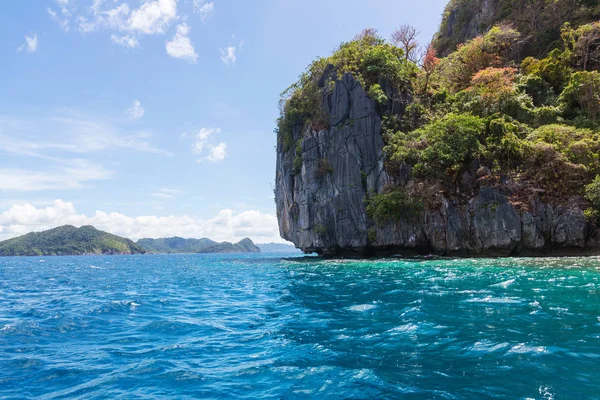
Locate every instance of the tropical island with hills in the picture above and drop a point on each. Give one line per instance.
(87, 240)
(487, 145)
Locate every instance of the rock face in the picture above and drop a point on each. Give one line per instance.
(321, 207)
(538, 21)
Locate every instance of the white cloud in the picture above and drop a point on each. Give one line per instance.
(201, 138)
(63, 23)
(228, 55)
(217, 153)
(181, 46)
(153, 17)
(70, 134)
(136, 111)
(66, 8)
(115, 19)
(125, 40)
(73, 175)
(31, 43)
(226, 225)
(204, 9)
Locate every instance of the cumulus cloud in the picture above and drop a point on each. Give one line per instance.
(125, 41)
(217, 153)
(31, 43)
(204, 9)
(153, 17)
(136, 111)
(228, 55)
(115, 18)
(181, 46)
(202, 139)
(226, 225)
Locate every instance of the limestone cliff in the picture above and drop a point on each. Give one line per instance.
(539, 21)
(321, 204)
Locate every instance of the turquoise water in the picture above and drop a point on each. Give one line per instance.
(266, 327)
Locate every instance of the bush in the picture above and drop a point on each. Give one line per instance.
(583, 45)
(298, 158)
(582, 95)
(591, 214)
(491, 50)
(538, 89)
(441, 148)
(377, 94)
(324, 167)
(545, 115)
(393, 204)
(578, 146)
(504, 144)
(494, 84)
(554, 69)
(320, 230)
(493, 90)
(592, 192)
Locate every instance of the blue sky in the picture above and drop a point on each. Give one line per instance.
(155, 117)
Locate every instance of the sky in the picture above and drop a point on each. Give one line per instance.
(154, 118)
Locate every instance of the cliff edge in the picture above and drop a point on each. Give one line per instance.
(378, 156)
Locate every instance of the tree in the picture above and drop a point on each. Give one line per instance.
(430, 62)
(406, 37)
(587, 46)
(368, 35)
(582, 93)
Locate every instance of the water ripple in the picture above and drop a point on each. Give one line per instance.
(263, 327)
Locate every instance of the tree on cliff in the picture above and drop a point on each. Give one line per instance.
(405, 37)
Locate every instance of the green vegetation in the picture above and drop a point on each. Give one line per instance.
(368, 57)
(298, 157)
(513, 107)
(320, 230)
(324, 167)
(204, 245)
(441, 148)
(540, 20)
(68, 240)
(533, 124)
(592, 192)
(393, 203)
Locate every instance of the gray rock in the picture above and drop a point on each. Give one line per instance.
(323, 210)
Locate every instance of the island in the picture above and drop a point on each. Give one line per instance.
(487, 146)
(68, 240)
(180, 245)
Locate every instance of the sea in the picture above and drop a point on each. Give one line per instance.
(288, 326)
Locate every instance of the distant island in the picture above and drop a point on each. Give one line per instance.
(68, 240)
(204, 245)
